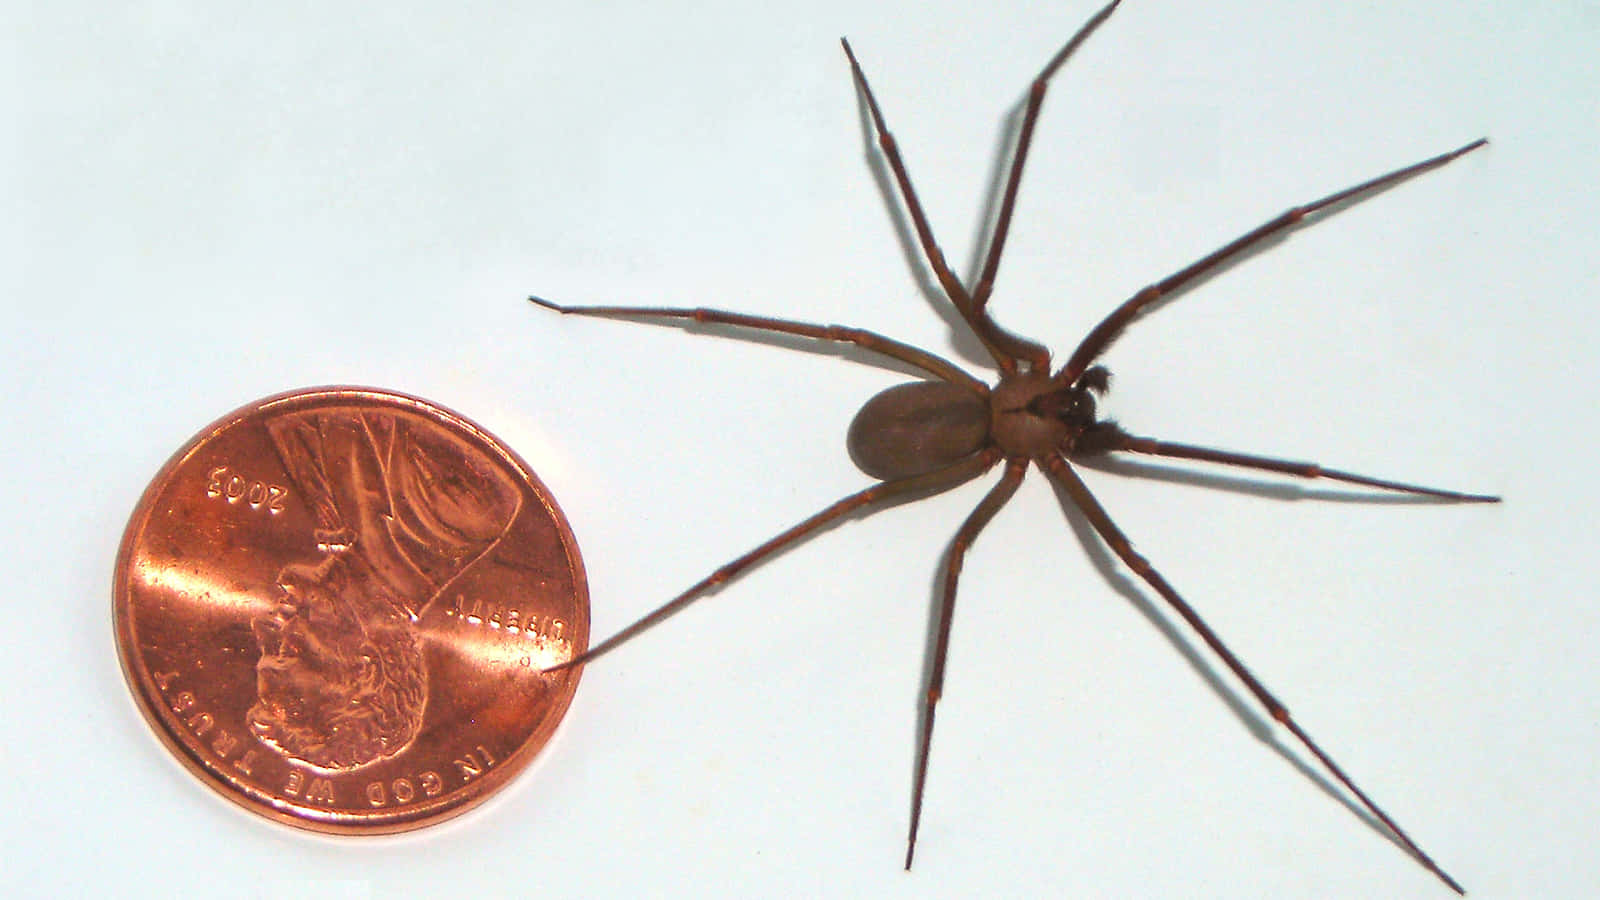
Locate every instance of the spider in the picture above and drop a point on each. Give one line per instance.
(925, 437)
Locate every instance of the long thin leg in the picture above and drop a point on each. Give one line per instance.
(991, 503)
(869, 340)
(937, 480)
(1112, 326)
(1006, 348)
(1110, 438)
(985, 285)
(1062, 472)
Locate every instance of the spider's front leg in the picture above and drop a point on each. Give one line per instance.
(1111, 327)
(1105, 437)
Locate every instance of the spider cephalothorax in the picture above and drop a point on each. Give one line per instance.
(929, 436)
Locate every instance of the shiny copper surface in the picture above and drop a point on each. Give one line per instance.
(333, 606)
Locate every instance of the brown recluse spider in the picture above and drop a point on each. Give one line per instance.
(928, 436)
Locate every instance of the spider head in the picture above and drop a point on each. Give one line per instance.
(1073, 406)
(1032, 416)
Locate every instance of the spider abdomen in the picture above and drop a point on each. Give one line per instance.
(918, 427)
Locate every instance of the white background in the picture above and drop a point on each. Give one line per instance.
(216, 202)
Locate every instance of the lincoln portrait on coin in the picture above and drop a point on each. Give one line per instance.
(400, 511)
(340, 680)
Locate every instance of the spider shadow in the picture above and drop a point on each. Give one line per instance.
(962, 339)
(1244, 709)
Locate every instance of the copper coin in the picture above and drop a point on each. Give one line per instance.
(333, 606)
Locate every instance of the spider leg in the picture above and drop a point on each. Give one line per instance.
(868, 340)
(1006, 348)
(1059, 469)
(997, 242)
(1111, 327)
(985, 510)
(937, 481)
(1107, 437)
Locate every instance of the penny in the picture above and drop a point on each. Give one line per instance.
(333, 606)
